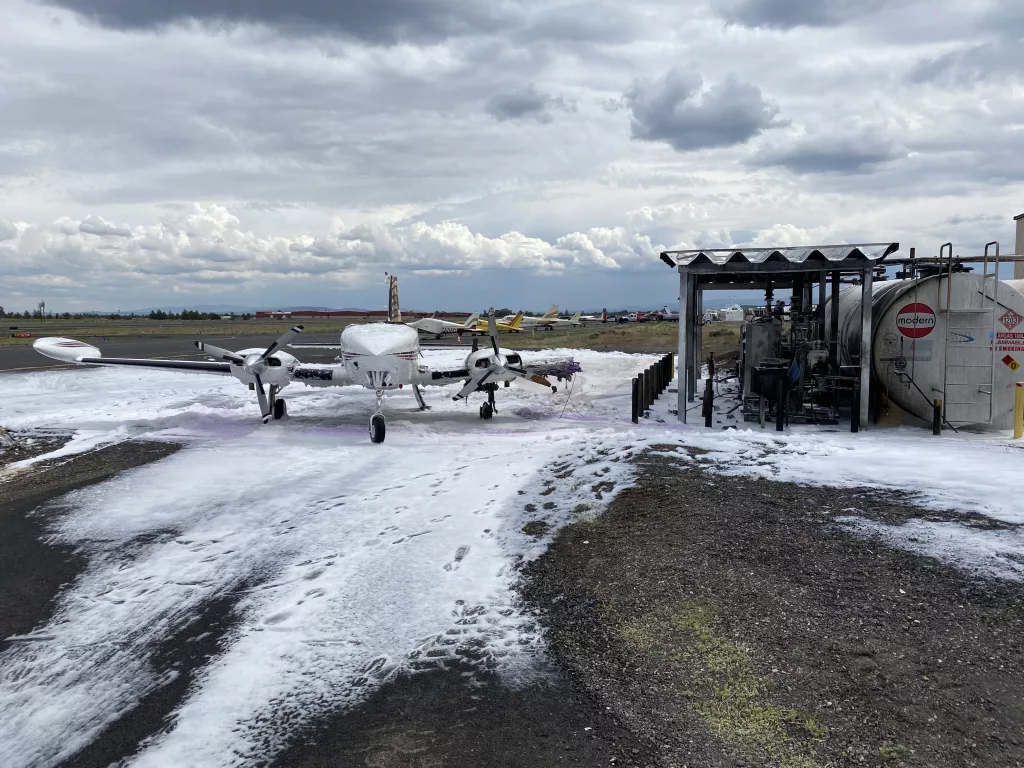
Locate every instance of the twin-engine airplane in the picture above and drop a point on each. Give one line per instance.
(378, 356)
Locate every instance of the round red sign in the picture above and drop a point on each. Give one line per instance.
(915, 320)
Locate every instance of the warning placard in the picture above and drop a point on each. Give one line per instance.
(1012, 364)
(1011, 320)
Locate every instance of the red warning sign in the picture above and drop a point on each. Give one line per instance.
(1010, 363)
(1011, 320)
(915, 320)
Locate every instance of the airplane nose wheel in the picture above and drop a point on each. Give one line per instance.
(280, 409)
(377, 428)
(377, 425)
(486, 411)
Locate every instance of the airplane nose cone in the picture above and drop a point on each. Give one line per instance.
(253, 364)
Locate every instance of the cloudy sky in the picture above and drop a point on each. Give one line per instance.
(514, 152)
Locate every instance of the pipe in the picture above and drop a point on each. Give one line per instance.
(1018, 411)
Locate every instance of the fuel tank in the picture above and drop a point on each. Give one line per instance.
(960, 339)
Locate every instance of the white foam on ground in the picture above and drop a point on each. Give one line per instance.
(351, 560)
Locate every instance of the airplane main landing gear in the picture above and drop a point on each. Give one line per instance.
(488, 409)
(377, 425)
(278, 409)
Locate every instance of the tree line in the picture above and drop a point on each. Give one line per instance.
(156, 314)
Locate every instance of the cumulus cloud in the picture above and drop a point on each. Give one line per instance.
(830, 153)
(675, 110)
(787, 14)
(207, 246)
(7, 230)
(96, 225)
(525, 103)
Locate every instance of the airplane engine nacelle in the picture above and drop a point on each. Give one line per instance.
(65, 350)
(276, 371)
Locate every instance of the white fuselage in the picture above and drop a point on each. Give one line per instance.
(438, 327)
(380, 356)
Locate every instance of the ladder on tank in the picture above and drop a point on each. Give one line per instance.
(972, 371)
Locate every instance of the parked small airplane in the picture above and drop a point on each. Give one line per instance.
(576, 319)
(532, 322)
(513, 327)
(668, 314)
(378, 356)
(436, 327)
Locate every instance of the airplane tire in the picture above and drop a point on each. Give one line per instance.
(486, 412)
(377, 428)
(280, 409)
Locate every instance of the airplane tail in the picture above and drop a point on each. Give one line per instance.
(470, 320)
(576, 317)
(551, 313)
(394, 309)
(516, 322)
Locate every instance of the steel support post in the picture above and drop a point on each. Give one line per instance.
(684, 327)
(694, 367)
(821, 305)
(865, 348)
(833, 342)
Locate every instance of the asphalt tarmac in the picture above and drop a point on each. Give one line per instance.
(183, 348)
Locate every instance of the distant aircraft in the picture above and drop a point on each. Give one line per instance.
(668, 314)
(576, 319)
(515, 326)
(436, 327)
(381, 357)
(534, 322)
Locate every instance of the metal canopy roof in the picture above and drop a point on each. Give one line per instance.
(730, 257)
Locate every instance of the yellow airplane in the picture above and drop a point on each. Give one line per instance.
(514, 326)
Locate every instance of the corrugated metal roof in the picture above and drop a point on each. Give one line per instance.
(797, 255)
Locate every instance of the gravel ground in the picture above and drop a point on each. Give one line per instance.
(730, 622)
(701, 621)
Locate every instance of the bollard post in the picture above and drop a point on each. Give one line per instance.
(636, 402)
(709, 402)
(780, 405)
(937, 416)
(855, 412)
(641, 394)
(650, 386)
(657, 381)
(1018, 411)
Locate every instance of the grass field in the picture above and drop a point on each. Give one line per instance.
(720, 339)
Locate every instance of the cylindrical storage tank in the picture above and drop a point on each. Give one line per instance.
(970, 356)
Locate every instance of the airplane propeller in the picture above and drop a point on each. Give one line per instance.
(498, 364)
(254, 363)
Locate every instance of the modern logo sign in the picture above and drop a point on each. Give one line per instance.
(915, 320)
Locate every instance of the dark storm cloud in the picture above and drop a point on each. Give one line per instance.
(829, 154)
(788, 14)
(523, 103)
(379, 21)
(674, 110)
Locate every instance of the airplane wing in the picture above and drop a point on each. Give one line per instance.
(80, 353)
(440, 372)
